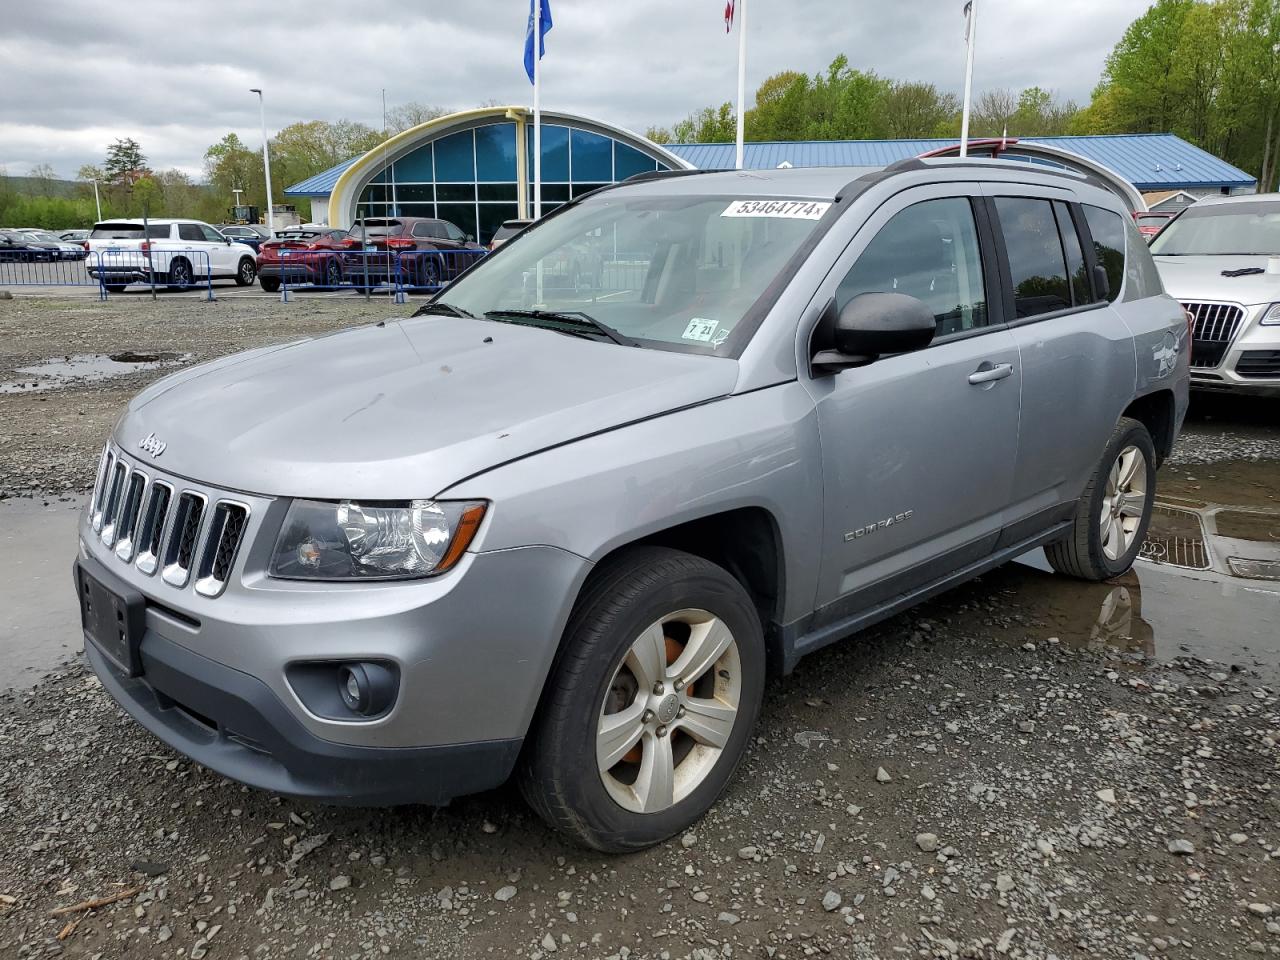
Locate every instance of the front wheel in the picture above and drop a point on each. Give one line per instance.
(652, 702)
(1114, 511)
(246, 273)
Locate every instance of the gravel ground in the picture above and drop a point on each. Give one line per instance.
(975, 778)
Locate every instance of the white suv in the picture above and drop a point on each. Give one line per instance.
(179, 253)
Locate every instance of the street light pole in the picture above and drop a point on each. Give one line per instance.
(96, 201)
(266, 160)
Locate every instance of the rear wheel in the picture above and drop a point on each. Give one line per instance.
(269, 284)
(332, 273)
(1114, 512)
(652, 702)
(115, 287)
(246, 273)
(179, 274)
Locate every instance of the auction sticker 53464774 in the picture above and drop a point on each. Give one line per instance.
(785, 209)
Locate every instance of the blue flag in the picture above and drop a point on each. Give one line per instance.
(542, 40)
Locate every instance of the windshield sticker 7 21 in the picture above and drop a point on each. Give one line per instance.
(787, 209)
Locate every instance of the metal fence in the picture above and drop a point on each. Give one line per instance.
(369, 271)
(29, 267)
(173, 268)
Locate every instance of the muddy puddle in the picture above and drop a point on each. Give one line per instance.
(39, 621)
(86, 368)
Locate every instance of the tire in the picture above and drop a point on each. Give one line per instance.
(270, 284)
(428, 273)
(1103, 544)
(115, 287)
(684, 599)
(246, 272)
(332, 276)
(179, 276)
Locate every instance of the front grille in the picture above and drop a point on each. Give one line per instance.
(1213, 327)
(1259, 363)
(184, 531)
(187, 535)
(220, 548)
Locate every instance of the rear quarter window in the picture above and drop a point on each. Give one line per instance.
(1142, 279)
(1109, 242)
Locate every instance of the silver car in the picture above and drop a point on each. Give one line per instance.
(1221, 259)
(564, 521)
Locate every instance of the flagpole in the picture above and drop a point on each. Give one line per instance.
(971, 34)
(742, 78)
(537, 109)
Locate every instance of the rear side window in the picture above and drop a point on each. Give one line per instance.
(1108, 229)
(190, 232)
(1037, 264)
(928, 251)
(1081, 289)
(423, 230)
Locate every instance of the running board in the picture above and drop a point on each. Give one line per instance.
(805, 643)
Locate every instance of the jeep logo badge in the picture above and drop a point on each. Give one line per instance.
(152, 445)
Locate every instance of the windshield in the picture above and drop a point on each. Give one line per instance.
(1235, 228)
(377, 228)
(662, 271)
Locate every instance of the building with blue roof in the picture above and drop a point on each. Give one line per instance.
(474, 168)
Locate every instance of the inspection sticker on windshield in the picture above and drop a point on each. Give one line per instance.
(786, 209)
(700, 328)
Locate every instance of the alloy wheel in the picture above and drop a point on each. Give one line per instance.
(669, 711)
(1123, 502)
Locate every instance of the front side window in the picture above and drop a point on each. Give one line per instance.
(452, 232)
(211, 235)
(928, 251)
(665, 271)
(1108, 230)
(1037, 265)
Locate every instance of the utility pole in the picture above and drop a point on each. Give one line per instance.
(971, 37)
(97, 201)
(266, 160)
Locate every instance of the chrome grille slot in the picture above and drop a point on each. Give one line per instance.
(100, 487)
(1213, 327)
(226, 531)
(114, 501)
(130, 510)
(151, 534)
(184, 534)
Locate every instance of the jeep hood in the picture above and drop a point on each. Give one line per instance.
(1196, 278)
(403, 409)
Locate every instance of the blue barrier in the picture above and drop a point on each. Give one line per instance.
(174, 268)
(35, 267)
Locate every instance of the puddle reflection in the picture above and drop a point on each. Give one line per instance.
(87, 368)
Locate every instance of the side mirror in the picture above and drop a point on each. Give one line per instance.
(872, 324)
(471, 238)
(1101, 282)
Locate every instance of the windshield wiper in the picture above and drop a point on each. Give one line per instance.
(439, 306)
(574, 318)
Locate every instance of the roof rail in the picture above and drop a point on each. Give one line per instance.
(667, 174)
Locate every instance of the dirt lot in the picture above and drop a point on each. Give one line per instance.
(1027, 767)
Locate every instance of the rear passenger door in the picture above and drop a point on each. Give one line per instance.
(918, 449)
(1075, 351)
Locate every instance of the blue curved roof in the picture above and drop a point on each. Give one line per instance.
(1150, 161)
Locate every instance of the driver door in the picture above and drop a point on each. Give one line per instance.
(918, 449)
(224, 257)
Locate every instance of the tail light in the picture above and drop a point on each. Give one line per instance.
(401, 243)
(85, 245)
(349, 242)
(145, 247)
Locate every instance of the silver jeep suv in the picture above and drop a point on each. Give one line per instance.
(565, 520)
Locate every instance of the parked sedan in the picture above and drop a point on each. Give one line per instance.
(431, 251)
(20, 246)
(303, 255)
(248, 233)
(66, 250)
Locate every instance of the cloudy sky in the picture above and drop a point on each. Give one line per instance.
(175, 74)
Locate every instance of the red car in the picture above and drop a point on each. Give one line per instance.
(1151, 222)
(304, 255)
(430, 251)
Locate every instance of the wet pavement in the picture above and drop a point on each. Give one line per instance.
(39, 625)
(87, 368)
(1208, 583)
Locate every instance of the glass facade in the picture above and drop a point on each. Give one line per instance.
(471, 177)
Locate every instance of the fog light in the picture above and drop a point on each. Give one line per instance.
(351, 689)
(366, 688)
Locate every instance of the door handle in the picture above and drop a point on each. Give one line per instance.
(990, 372)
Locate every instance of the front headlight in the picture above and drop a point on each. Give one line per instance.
(1272, 317)
(373, 540)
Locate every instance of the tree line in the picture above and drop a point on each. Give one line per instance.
(1206, 70)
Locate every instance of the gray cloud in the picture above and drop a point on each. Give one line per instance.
(175, 75)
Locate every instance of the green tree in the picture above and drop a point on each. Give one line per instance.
(230, 166)
(125, 163)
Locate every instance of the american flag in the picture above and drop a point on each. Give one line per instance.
(728, 16)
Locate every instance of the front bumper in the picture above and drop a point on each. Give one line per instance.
(233, 724)
(1251, 363)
